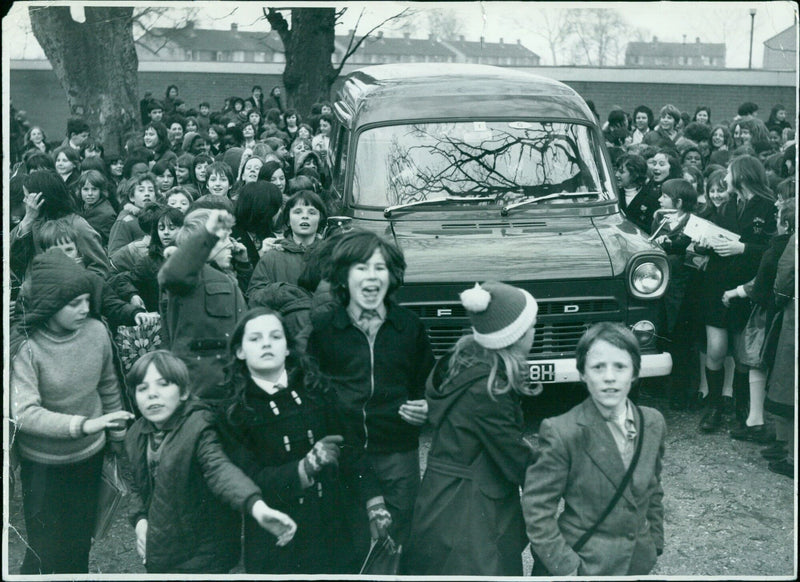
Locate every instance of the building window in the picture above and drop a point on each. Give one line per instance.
(189, 55)
(238, 56)
(278, 58)
(681, 60)
(260, 57)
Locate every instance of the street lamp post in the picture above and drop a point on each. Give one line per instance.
(752, 23)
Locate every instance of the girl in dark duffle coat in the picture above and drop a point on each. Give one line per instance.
(283, 429)
(583, 457)
(467, 519)
(730, 264)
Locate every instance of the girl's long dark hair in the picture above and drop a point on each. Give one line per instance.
(300, 369)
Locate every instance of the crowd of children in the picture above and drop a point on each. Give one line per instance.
(292, 389)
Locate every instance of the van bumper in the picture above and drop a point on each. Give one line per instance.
(653, 365)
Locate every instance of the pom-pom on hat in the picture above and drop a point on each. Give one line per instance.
(500, 314)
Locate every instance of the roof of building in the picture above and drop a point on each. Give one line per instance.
(675, 49)
(382, 45)
(784, 40)
(191, 38)
(482, 48)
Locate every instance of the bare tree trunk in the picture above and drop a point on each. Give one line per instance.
(309, 74)
(96, 64)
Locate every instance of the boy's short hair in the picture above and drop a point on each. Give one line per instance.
(205, 103)
(193, 222)
(614, 333)
(76, 125)
(357, 246)
(637, 167)
(747, 108)
(171, 368)
(672, 111)
(153, 105)
(139, 179)
(56, 232)
(680, 189)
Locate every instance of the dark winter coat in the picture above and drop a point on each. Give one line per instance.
(283, 264)
(192, 506)
(202, 307)
(372, 381)
(141, 281)
(467, 518)
(675, 246)
(642, 207)
(579, 462)
(781, 395)
(268, 437)
(101, 216)
(755, 226)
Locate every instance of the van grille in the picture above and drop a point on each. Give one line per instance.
(553, 338)
(559, 307)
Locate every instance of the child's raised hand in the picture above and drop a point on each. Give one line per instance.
(728, 295)
(141, 539)
(275, 522)
(414, 412)
(33, 202)
(112, 420)
(220, 222)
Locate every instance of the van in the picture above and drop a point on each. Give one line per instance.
(480, 172)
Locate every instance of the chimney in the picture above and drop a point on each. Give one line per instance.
(684, 39)
(655, 39)
(380, 34)
(431, 37)
(481, 40)
(501, 41)
(519, 42)
(697, 40)
(351, 32)
(234, 27)
(406, 35)
(461, 37)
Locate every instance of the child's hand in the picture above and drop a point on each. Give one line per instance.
(33, 202)
(141, 539)
(239, 252)
(660, 240)
(220, 223)
(414, 412)
(269, 244)
(168, 251)
(144, 318)
(137, 301)
(324, 452)
(112, 420)
(728, 248)
(275, 522)
(731, 294)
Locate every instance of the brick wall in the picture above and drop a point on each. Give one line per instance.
(40, 95)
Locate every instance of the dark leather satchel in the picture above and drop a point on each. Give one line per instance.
(538, 566)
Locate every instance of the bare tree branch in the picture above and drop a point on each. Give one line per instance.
(279, 25)
(354, 47)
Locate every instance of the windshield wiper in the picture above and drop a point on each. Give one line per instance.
(387, 212)
(505, 209)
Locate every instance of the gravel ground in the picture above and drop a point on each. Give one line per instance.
(725, 513)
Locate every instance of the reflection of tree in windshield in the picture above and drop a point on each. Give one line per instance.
(427, 161)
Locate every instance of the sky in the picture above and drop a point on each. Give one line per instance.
(727, 22)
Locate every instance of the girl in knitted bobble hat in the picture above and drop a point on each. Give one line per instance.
(467, 519)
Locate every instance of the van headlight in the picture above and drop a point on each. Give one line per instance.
(648, 276)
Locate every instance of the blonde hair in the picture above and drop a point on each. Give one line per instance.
(506, 366)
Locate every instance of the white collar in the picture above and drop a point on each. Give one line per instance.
(272, 387)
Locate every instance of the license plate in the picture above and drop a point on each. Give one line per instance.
(543, 372)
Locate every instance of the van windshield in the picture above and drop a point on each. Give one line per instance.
(508, 161)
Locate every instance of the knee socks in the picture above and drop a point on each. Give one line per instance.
(715, 378)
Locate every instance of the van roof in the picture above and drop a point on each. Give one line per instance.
(387, 93)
